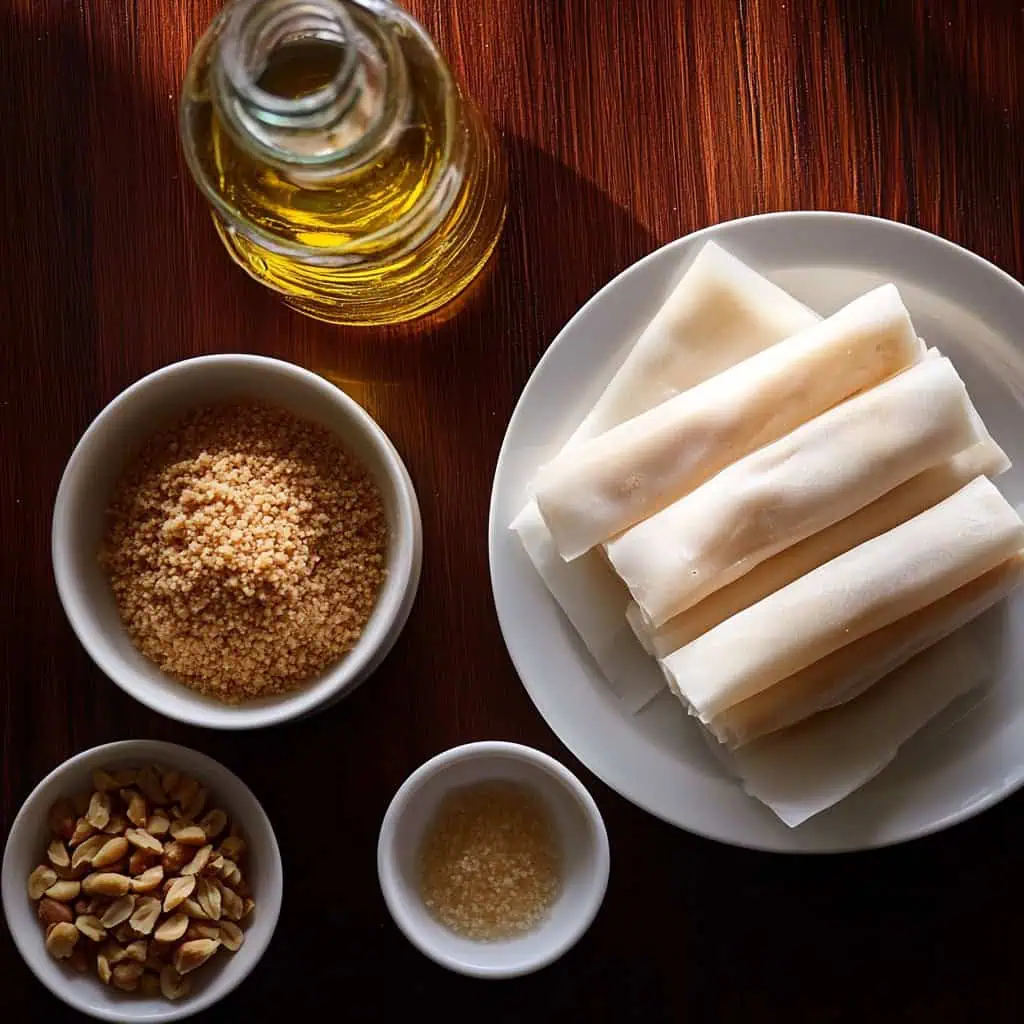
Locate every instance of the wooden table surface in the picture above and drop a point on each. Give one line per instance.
(627, 123)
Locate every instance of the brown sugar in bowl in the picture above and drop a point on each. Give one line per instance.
(114, 440)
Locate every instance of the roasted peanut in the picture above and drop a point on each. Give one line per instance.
(232, 906)
(126, 976)
(175, 856)
(141, 861)
(190, 955)
(209, 898)
(135, 803)
(213, 822)
(61, 939)
(143, 840)
(106, 883)
(116, 825)
(196, 912)
(188, 833)
(57, 854)
(172, 984)
(169, 780)
(172, 929)
(91, 927)
(124, 777)
(178, 891)
(158, 824)
(119, 911)
(110, 852)
(185, 788)
(62, 819)
(64, 892)
(199, 861)
(40, 880)
(147, 912)
(81, 832)
(233, 847)
(149, 782)
(149, 880)
(99, 810)
(194, 807)
(137, 951)
(84, 853)
(231, 936)
(202, 930)
(103, 968)
(51, 912)
(103, 781)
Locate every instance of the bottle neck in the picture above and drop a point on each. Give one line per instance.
(311, 86)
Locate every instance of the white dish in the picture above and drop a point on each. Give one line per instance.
(580, 829)
(967, 759)
(99, 457)
(27, 842)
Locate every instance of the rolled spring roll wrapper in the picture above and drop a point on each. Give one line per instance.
(719, 313)
(594, 601)
(803, 483)
(847, 673)
(810, 767)
(865, 589)
(597, 489)
(926, 489)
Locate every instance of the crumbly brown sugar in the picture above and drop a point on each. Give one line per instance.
(245, 549)
(490, 864)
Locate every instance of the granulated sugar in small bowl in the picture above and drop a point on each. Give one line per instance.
(236, 542)
(493, 859)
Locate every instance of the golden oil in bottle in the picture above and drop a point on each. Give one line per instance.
(345, 168)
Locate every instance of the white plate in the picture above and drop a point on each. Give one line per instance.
(969, 759)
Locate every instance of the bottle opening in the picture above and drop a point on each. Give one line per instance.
(298, 78)
(302, 67)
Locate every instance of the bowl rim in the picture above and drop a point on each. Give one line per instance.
(398, 591)
(270, 902)
(387, 871)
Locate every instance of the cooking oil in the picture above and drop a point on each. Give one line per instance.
(345, 168)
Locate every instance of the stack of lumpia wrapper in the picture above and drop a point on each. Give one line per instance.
(786, 514)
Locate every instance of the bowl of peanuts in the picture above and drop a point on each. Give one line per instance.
(141, 881)
(236, 542)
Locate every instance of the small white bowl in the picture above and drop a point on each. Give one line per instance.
(26, 846)
(580, 829)
(114, 437)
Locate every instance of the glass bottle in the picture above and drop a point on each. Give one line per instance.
(345, 168)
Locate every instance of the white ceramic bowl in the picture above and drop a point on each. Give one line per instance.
(580, 829)
(26, 846)
(102, 453)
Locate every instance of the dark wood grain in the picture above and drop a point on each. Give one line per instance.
(626, 124)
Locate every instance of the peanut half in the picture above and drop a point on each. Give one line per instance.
(191, 955)
(61, 939)
(119, 911)
(64, 892)
(57, 854)
(99, 810)
(88, 849)
(106, 883)
(40, 880)
(172, 929)
(146, 915)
